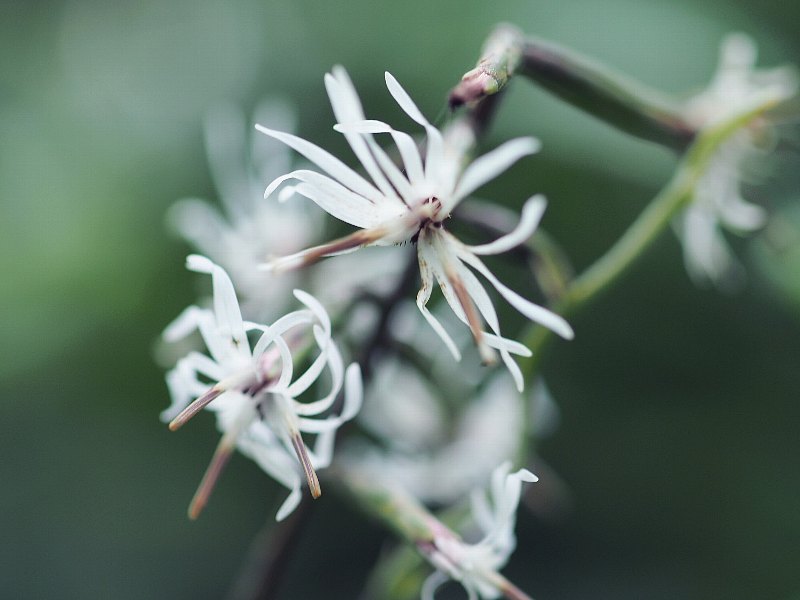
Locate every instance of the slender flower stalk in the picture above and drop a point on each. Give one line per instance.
(649, 225)
(256, 391)
(396, 206)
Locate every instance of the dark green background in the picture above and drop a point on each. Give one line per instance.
(679, 426)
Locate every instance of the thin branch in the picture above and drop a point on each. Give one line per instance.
(265, 566)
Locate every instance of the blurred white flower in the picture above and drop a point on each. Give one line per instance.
(412, 204)
(254, 391)
(246, 228)
(435, 456)
(737, 86)
(475, 566)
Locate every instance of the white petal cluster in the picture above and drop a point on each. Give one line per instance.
(255, 390)
(394, 205)
(436, 458)
(475, 565)
(737, 86)
(244, 229)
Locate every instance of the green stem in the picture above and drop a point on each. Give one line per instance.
(673, 198)
(606, 94)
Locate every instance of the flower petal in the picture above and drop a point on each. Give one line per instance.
(532, 213)
(347, 107)
(490, 165)
(532, 311)
(327, 162)
(424, 294)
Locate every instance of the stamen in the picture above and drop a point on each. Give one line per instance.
(305, 461)
(221, 456)
(195, 407)
(487, 354)
(218, 462)
(312, 255)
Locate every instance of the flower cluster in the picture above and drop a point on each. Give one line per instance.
(434, 427)
(255, 394)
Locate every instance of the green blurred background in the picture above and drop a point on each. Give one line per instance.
(678, 440)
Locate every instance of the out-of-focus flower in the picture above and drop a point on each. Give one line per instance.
(475, 566)
(412, 204)
(255, 391)
(737, 86)
(245, 228)
(436, 458)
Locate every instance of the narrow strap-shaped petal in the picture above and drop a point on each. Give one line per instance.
(339, 207)
(394, 174)
(185, 323)
(490, 165)
(327, 162)
(353, 399)
(337, 200)
(316, 308)
(434, 158)
(404, 100)
(394, 231)
(226, 306)
(424, 294)
(322, 454)
(532, 213)
(532, 311)
(347, 107)
(432, 583)
(224, 132)
(200, 224)
(409, 152)
(265, 360)
(330, 356)
(291, 502)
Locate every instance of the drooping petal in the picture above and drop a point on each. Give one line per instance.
(412, 161)
(532, 311)
(404, 100)
(424, 294)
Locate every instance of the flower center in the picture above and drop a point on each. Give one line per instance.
(429, 214)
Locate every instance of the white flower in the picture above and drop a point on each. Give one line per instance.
(737, 86)
(475, 566)
(245, 228)
(395, 206)
(255, 391)
(436, 458)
